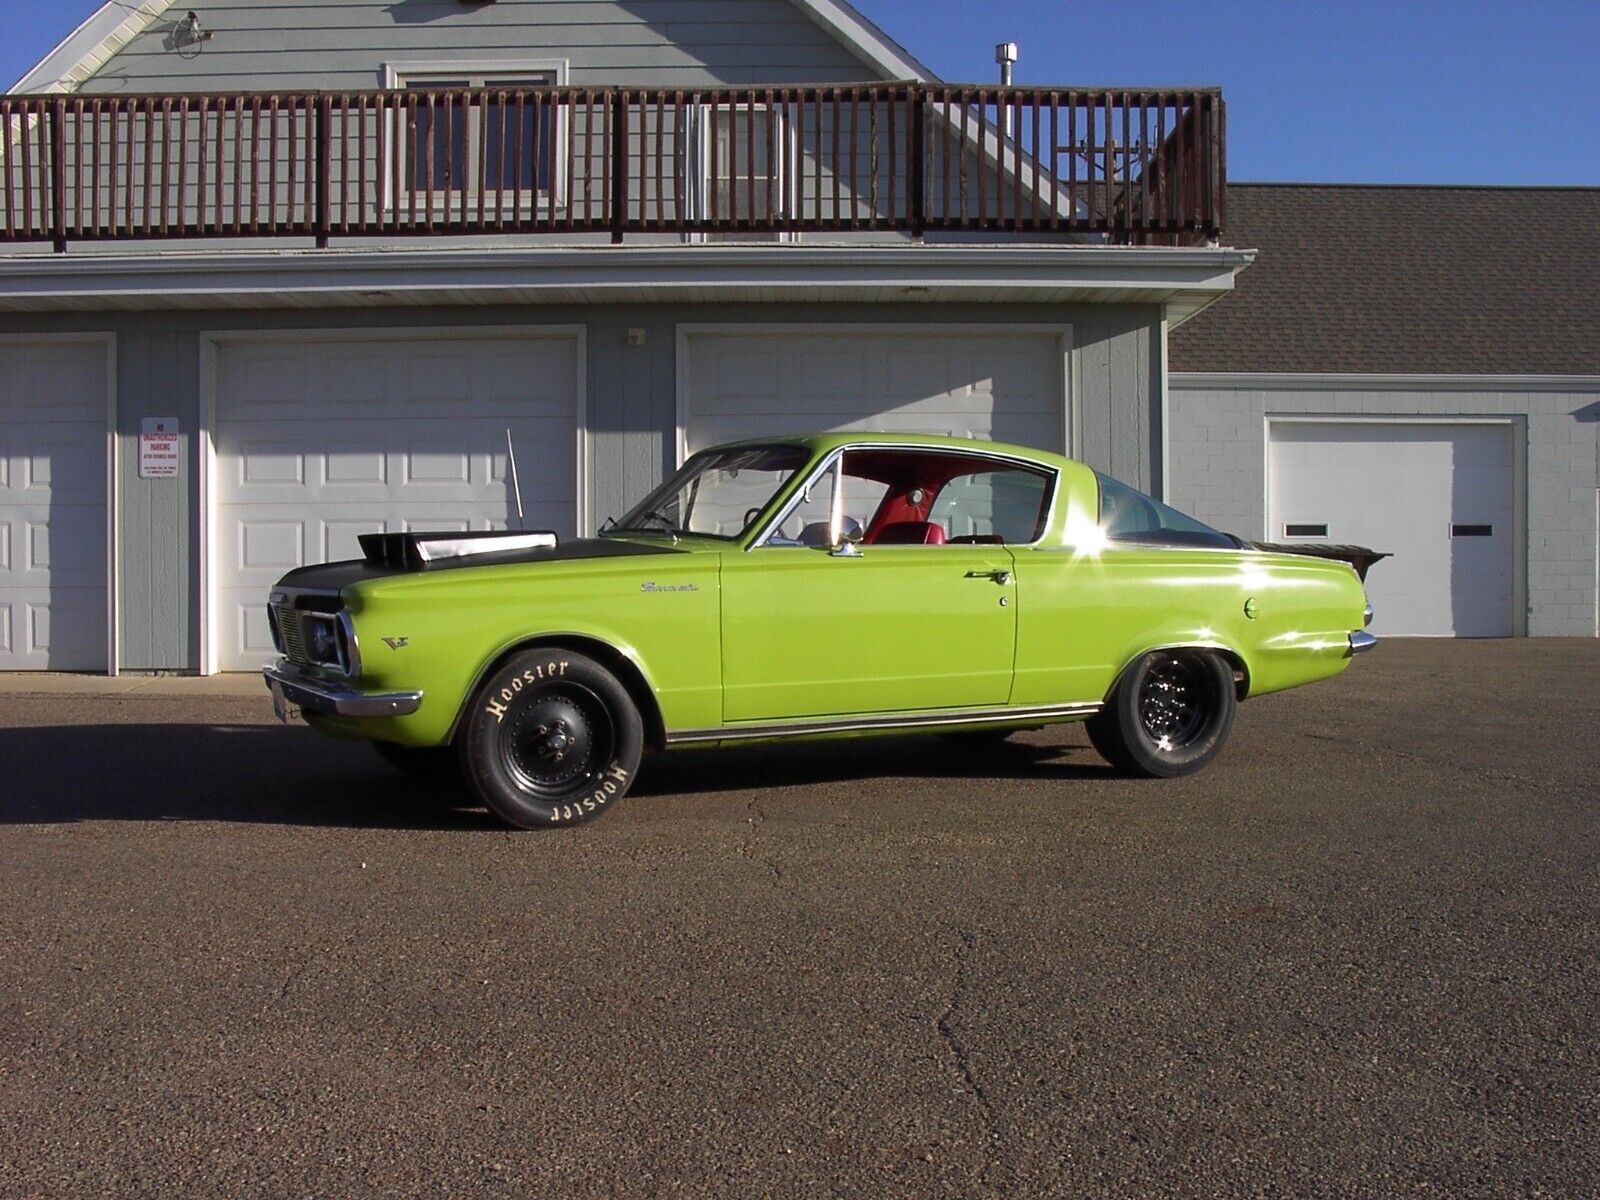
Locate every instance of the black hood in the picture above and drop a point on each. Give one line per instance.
(337, 575)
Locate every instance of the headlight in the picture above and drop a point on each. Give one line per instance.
(329, 640)
(322, 640)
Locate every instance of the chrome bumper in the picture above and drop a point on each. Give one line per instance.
(313, 694)
(1361, 641)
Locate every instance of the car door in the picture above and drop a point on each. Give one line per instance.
(815, 630)
(809, 633)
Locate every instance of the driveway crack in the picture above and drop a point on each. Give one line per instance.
(747, 847)
(293, 976)
(961, 1057)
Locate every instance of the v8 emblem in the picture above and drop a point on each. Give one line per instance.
(397, 643)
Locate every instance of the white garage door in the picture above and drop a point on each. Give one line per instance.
(1438, 496)
(54, 609)
(1007, 384)
(320, 440)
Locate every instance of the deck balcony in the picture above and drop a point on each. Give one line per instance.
(768, 164)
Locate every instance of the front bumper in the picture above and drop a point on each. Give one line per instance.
(1361, 641)
(314, 694)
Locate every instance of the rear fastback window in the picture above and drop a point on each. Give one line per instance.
(1129, 516)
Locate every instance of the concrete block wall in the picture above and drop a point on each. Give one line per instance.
(1217, 438)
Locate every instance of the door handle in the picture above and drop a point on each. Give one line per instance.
(1002, 577)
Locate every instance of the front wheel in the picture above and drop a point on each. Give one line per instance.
(1168, 715)
(552, 738)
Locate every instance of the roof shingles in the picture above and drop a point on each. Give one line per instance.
(1406, 280)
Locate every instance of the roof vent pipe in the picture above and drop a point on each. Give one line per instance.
(1005, 54)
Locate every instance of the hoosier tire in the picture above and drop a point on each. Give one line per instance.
(551, 738)
(1169, 714)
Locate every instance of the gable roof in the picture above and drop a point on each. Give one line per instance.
(1406, 280)
(90, 46)
(117, 22)
(859, 35)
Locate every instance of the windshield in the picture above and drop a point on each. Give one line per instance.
(717, 493)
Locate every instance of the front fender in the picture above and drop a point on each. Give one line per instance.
(441, 635)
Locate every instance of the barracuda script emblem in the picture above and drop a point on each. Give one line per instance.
(669, 587)
(397, 643)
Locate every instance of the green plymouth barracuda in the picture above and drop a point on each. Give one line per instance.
(823, 586)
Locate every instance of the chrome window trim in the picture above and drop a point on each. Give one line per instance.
(795, 499)
(760, 540)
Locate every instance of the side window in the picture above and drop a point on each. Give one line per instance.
(861, 501)
(1005, 505)
(807, 522)
(1127, 515)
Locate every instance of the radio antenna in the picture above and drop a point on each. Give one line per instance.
(516, 487)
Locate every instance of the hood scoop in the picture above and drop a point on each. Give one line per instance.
(419, 551)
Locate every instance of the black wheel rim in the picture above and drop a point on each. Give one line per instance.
(557, 740)
(1174, 703)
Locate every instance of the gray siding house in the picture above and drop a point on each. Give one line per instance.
(286, 273)
(1415, 369)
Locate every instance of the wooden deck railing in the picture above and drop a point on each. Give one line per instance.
(1122, 166)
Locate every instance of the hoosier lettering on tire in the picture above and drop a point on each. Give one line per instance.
(551, 738)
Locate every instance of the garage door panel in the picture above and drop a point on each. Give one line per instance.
(54, 383)
(53, 589)
(1407, 488)
(377, 436)
(971, 383)
(67, 548)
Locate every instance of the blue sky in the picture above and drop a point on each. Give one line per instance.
(1407, 91)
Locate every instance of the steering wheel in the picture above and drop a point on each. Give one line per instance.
(750, 516)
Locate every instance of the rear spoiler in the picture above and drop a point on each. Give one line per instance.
(1358, 557)
(416, 551)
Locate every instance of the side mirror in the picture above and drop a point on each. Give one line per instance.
(845, 549)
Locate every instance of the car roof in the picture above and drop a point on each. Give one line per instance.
(821, 443)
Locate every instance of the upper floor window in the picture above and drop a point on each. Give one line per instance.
(737, 157)
(491, 144)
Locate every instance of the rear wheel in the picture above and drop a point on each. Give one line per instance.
(552, 738)
(1169, 714)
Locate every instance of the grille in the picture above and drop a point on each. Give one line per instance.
(294, 648)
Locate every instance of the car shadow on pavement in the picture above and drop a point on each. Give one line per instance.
(267, 774)
(243, 773)
(795, 764)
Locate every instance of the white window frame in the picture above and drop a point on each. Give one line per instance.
(697, 171)
(476, 73)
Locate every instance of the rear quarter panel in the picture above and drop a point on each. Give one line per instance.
(1083, 617)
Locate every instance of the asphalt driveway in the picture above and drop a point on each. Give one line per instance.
(1357, 956)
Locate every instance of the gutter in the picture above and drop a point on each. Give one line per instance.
(239, 275)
